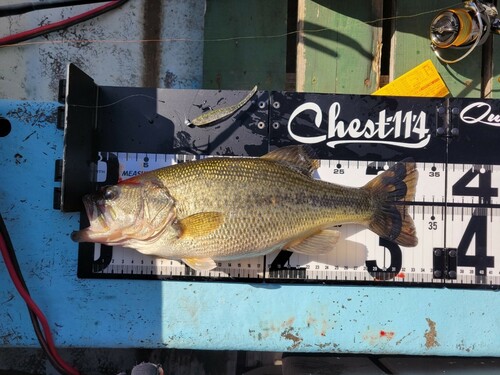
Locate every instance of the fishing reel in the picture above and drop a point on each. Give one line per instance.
(463, 28)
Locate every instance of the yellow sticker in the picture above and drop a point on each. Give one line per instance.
(423, 80)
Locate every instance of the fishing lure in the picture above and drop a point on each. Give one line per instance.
(220, 113)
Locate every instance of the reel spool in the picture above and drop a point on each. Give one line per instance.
(461, 28)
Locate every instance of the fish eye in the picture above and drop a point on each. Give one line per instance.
(111, 193)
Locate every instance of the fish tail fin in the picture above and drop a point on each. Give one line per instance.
(389, 191)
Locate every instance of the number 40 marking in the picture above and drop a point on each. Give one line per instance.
(478, 224)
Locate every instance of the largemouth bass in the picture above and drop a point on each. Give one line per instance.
(231, 208)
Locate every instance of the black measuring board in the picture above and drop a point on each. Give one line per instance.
(128, 119)
(453, 141)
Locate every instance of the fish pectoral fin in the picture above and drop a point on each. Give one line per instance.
(319, 243)
(200, 224)
(200, 264)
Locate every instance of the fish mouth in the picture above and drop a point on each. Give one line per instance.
(82, 235)
(90, 208)
(98, 227)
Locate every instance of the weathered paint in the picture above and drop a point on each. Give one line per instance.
(124, 47)
(269, 318)
(339, 46)
(431, 334)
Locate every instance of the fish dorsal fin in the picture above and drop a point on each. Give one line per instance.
(200, 224)
(200, 264)
(321, 242)
(296, 157)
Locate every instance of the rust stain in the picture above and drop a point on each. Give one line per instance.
(290, 321)
(310, 321)
(325, 326)
(267, 329)
(289, 335)
(431, 334)
(378, 337)
(463, 347)
(320, 328)
(328, 345)
(389, 335)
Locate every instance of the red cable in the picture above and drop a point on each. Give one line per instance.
(33, 307)
(11, 39)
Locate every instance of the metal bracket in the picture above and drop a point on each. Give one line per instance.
(444, 263)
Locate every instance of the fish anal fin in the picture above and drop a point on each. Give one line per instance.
(321, 242)
(200, 224)
(200, 264)
(296, 157)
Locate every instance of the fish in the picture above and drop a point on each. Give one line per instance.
(227, 208)
(218, 114)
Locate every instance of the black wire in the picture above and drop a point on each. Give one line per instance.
(34, 320)
(14, 9)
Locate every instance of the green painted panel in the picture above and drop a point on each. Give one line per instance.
(245, 44)
(343, 54)
(495, 92)
(411, 46)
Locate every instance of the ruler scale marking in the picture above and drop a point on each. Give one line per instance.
(363, 245)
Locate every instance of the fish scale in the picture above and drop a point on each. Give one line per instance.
(309, 200)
